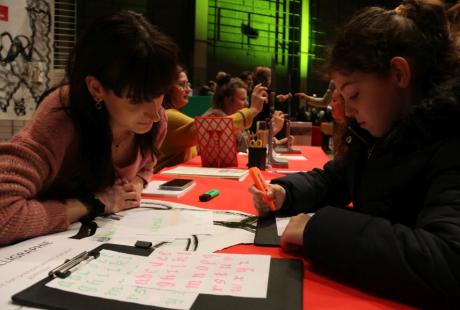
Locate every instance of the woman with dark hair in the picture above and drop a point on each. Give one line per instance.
(397, 71)
(92, 144)
(181, 139)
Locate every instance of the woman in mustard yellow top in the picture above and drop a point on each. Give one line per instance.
(181, 138)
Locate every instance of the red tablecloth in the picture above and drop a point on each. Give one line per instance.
(318, 292)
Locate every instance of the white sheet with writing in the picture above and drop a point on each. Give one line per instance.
(212, 273)
(27, 262)
(224, 232)
(169, 223)
(164, 273)
(106, 277)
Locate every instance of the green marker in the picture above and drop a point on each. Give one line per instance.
(209, 195)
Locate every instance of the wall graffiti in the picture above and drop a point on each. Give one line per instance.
(25, 61)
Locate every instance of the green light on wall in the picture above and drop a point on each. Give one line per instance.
(262, 38)
(304, 43)
(201, 20)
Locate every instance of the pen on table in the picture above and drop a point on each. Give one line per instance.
(209, 195)
(63, 270)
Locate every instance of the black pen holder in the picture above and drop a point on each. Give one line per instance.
(257, 157)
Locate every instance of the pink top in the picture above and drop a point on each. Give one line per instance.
(37, 166)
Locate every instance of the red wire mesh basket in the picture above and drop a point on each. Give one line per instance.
(216, 141)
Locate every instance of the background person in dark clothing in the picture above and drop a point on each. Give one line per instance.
(397, 71)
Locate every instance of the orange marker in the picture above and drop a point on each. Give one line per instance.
(260, 184)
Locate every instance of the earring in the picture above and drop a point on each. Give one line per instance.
(98, 104)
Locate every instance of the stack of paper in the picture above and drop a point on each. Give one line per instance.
(235, 174)
(160, 223)
(165, 276)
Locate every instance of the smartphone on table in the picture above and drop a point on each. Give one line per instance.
(177, 184)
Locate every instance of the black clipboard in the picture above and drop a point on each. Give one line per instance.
(284, 291)
(266, 232)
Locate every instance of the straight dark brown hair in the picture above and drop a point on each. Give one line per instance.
(129, 56)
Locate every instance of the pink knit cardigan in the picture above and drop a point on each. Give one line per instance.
(37, 162)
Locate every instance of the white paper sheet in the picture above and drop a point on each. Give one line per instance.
(119, 276)
(25, 263)
(281, 223)
(218, 238)
(292, 157)
(33, 267)
(212, 273)
(171, 223)
(224, 236)
(226, 173)
(106, 277)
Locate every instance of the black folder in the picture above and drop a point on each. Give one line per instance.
(284, 291)
(266, 232)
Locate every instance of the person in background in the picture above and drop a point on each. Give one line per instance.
(181, 139)
(92, 144)
(212, 86)
(220, 74)
(231, 96)
(263, 75)
(398, 74)
(205, 91)
(176, 98)
(340, 124)
(246, 77)
(208, 89)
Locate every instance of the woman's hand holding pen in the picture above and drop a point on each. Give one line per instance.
(122, 195)
(258, 98)
(276, 192)
(292, 238)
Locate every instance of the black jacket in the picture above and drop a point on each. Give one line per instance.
(401, 239)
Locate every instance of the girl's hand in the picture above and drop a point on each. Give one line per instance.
(275, 192)
(292, 238)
